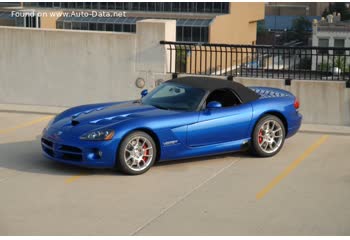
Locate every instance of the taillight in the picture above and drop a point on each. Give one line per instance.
(296, 104)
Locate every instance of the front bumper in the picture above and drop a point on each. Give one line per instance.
(91, 154)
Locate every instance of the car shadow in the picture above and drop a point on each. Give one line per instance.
(27, 156)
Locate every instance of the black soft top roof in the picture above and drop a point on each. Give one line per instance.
(211, 84)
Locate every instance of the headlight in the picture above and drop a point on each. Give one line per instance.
(98, 135)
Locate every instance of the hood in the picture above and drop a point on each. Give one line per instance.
(99, 117)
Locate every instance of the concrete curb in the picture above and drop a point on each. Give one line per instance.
(325, 129)
(33, 109)
(51, 110)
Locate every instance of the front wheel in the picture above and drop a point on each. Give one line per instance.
(137, 153)
(268, 136)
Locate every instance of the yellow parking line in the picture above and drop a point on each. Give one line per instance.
(72, 179)
(23, 125)
(291, 167)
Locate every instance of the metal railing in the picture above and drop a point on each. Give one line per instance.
(318, 63)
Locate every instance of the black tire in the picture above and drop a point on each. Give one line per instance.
(121, 161)
(258, 138)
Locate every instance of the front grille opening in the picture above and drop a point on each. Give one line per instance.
(71, 157)
(49, 152)
(47, 142)
(70, 149)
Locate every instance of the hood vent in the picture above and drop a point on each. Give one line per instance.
(75, 122)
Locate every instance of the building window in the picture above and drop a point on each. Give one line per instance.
(184, 7)
(117, 28)
(196, 34)
(192, 7)
(111, 5)
(119, 6)
(67, 25)
(135, 6)
(32, 22)
(103, 5)
(133, 28)
(76, 26)
(92, 26)
(323, 42)
(201, 7)
(192, 34)
(87, 5)
(208, 7)
(59, 25)
(42, 4)
(167, 7)
(64, 5)
(126, 28)
(95, 5)
(204, 34)
(179, 35)
(187, 34)
(101, 27)
(84, 26)
(339, 43)
(109, 27)
(217, 7)
(195, 7)
(71, 5)
(80, 5)
(175, 7)
(143, 6)
(159, 7)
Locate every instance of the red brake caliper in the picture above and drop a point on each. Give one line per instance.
(260, 136)
(145, 152)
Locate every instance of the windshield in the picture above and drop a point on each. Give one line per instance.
(174, 97)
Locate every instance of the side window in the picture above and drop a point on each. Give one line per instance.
(224, 96)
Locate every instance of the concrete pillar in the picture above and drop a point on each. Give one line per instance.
(347, 107)
(150, 55)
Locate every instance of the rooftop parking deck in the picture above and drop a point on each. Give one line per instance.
(304, 190)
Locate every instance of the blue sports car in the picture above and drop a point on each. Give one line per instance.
(182, 118)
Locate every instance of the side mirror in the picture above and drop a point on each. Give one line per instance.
(214, 104)
(144, 93)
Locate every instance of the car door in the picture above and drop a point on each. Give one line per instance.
(220, 125)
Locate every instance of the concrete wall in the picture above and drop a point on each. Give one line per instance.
(67, 68)
(322, 102)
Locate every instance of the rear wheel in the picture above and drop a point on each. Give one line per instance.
(137, 153)
(268, 136)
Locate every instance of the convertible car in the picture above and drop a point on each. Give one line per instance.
(182, 118)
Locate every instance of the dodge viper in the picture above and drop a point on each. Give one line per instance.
(181, 118)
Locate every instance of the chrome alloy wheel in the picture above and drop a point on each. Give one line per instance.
(270, 136)
(138, 153)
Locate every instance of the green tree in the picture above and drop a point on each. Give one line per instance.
(300, 29)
